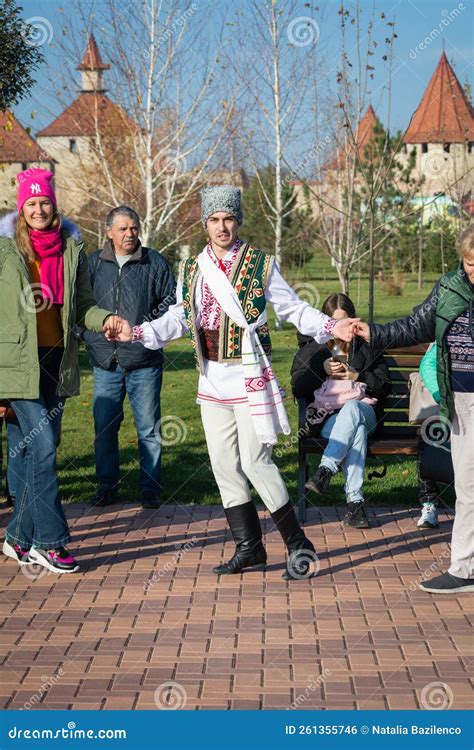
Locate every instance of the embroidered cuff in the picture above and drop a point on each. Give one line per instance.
(137, 334)
(329, 326)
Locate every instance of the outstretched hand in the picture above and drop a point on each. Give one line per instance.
(345, 329)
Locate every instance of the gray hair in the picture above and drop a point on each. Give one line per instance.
(465, 242)
(121, 211)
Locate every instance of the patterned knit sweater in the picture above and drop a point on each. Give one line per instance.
(461, 354)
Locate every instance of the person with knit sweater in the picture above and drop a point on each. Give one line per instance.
(447, 317)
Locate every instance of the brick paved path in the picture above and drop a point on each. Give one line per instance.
(141, 615)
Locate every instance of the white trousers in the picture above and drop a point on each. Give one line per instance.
(237, 456)
(462, 449)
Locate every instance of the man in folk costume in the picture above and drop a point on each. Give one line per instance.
(221, 301)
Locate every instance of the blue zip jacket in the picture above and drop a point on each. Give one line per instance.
(143, 289)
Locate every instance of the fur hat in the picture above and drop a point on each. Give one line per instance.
(220, 198)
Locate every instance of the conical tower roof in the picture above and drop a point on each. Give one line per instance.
(444, 114)
(365, 133)
(92, 59)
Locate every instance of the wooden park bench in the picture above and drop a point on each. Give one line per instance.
(396, 438)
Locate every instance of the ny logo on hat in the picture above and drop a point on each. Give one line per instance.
(35, 188)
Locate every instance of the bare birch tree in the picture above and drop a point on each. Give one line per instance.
(164, 76)
(273, 66)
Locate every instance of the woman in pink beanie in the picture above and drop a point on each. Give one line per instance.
(44, 293)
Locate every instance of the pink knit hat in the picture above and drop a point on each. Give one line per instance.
(32, 183)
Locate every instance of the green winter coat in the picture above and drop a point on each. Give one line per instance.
(19, 367)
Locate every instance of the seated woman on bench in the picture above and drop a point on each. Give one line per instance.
(346, 418)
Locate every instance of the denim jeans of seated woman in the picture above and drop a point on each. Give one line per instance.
(38, 517)
(347, 433)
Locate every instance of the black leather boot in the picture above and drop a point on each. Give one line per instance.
(245, 527)
(301, 550)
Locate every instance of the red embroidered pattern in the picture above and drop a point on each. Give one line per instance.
(137, 333)
(329, 326)
(259, 384)
(210, 308)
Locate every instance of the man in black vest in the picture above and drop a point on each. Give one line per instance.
(136, 282)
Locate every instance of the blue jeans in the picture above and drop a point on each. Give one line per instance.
(15, 458)
(347, 433)
(38, 517)
(143, 387)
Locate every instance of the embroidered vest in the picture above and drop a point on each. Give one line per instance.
(248, 276)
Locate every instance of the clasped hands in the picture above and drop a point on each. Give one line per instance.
(346, 328)
(116, 328)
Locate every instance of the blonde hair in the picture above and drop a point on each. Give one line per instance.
(465, 243)
(22, 235)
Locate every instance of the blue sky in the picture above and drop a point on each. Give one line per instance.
(413, 67)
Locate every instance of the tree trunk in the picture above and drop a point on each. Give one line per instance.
(420, 255)
(371, 262)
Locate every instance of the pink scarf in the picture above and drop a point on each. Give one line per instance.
(210, 308)
(48, 246)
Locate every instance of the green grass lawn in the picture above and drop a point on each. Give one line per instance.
(186, 473)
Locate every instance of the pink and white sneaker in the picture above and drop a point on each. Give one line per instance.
(57, 560)
(16, 552)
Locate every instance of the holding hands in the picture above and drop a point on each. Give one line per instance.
(346, 328)
(363, 330)
(117, 329)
